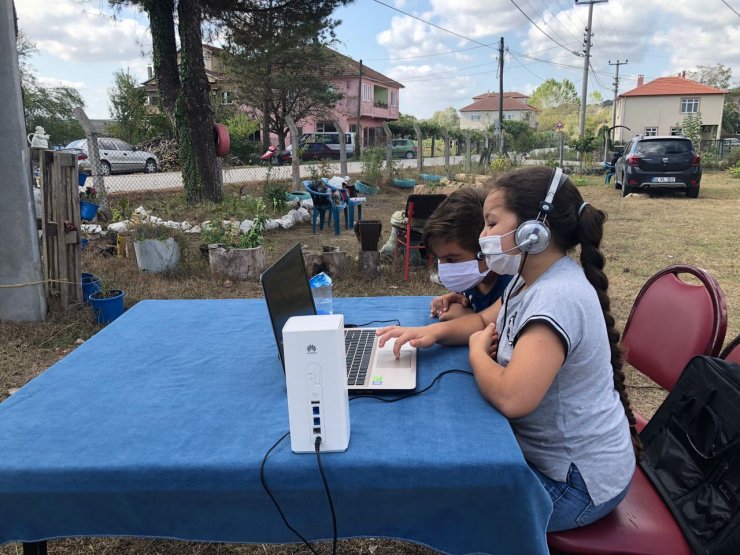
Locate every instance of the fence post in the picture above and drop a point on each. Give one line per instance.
(342, 148)
(388, 151)
(468, 164)
(295, 155)
(447, 151)
(419, 147)
(93, 153)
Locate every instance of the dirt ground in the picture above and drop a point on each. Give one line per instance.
(642, 236)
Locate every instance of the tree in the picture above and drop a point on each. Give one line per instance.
(282, 63)
(731, 113)
(691, 127)
(519, 136)
(50, 107)
(447, 118)
(717, 75)
(127, 108)
(554, 94)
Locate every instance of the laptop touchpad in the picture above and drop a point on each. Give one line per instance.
(386, 358)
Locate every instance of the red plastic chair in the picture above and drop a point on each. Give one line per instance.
(671, 322)
(417, 206)
(732, 351)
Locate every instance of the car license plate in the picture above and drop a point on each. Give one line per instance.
(664, 180)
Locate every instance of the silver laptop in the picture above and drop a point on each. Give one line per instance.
(369, 368)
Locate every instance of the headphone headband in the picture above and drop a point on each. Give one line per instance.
(533, 236)
(546, 205)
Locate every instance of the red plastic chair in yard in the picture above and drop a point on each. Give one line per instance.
(732, 351)
(420, 207)
(671, 322)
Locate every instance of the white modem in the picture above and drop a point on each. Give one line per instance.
(316, 377)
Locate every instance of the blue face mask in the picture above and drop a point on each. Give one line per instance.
(460, 276)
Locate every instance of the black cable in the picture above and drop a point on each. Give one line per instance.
(413, 393)
(274, 501)
(317, 446)
(397, 321)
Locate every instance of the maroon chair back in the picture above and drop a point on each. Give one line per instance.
(732, 351)
(672, 321)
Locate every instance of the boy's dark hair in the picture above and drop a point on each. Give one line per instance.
(459, 218)
(523, 190)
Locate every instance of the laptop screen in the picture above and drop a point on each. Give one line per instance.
(287, 292)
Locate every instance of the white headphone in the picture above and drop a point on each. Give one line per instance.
(533, 236)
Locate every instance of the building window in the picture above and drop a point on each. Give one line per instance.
(676, 131)
(394, 98)
(475, 117)
(325, 127)
(689, 105)
(367, 94)
(226, 98)
(651, 131)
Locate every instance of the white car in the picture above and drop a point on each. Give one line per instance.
(116, 156)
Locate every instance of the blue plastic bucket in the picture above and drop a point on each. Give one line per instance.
(90, 284)
(107, 309)
(88, 210)
(404, 183)
(81, 178)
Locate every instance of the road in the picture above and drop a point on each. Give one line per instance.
(172, 181)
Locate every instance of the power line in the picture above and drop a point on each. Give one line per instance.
(733, 9)
(434, 25)
(449, 77)
(541, 31)
(525, 67)
(425, 55)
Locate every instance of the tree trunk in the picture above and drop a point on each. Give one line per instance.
(162, 23)
(200, 168)
(266, 126)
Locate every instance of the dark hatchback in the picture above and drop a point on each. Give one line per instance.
(312, 151)
(659, 163)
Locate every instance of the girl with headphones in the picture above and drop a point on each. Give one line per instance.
(546, 355)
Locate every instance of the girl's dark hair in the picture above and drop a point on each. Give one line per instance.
(523, 191)
(458, 218)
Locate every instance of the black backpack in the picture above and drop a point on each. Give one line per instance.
(692, 454)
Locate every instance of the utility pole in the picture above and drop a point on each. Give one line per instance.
(586, 62)
(501, 96)
(358, 135)
(614, 106)
(22, 294)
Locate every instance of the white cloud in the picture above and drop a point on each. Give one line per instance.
(56, 82)
(476, 18)
(432, 87)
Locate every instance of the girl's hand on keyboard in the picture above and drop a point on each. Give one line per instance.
(416, 337)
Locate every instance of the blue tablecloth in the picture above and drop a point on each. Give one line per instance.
(158, 424)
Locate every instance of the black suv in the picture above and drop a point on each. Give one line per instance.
(665, 163)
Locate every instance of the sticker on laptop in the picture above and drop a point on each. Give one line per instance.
(377, 380)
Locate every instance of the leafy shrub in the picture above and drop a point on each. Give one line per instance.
(735, 171)
(501, 164)
(274, 194)
(373, 161)
(228, 233)
(733, 157)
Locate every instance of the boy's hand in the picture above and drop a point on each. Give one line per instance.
(485, 340)
(441, 304)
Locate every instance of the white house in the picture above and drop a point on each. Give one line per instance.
(483, 112)
(659, 107)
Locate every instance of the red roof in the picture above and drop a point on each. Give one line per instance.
(512, 94)
(665, 86)
(489, 103)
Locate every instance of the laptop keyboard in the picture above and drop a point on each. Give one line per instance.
(358, 344)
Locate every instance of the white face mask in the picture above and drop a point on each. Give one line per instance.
(460, 276)
(497, 259)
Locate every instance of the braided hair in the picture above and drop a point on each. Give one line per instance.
(523, 190)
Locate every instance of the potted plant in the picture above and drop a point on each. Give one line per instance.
(107, 303)
(88, 206)
(157, 247)
(235, 253)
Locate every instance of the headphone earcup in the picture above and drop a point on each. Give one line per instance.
(532, 236)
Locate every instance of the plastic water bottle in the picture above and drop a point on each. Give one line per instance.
(321, 290)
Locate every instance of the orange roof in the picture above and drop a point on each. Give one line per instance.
(489, 103)
(511, 94)
(665, 86)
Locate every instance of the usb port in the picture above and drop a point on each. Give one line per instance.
(316, 411)
(317, 430)
(316, 421)
(314, 402)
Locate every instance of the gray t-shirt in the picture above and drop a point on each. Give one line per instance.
(581, 419)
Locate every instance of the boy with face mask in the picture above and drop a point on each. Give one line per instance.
(451, 234)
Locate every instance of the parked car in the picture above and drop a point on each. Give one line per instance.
(116, 156)
(730, 142)
(659, 163)
(313, 151)
(404, 148)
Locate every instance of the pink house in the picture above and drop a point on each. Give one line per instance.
(379, 102)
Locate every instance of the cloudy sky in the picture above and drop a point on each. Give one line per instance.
(82, 43)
